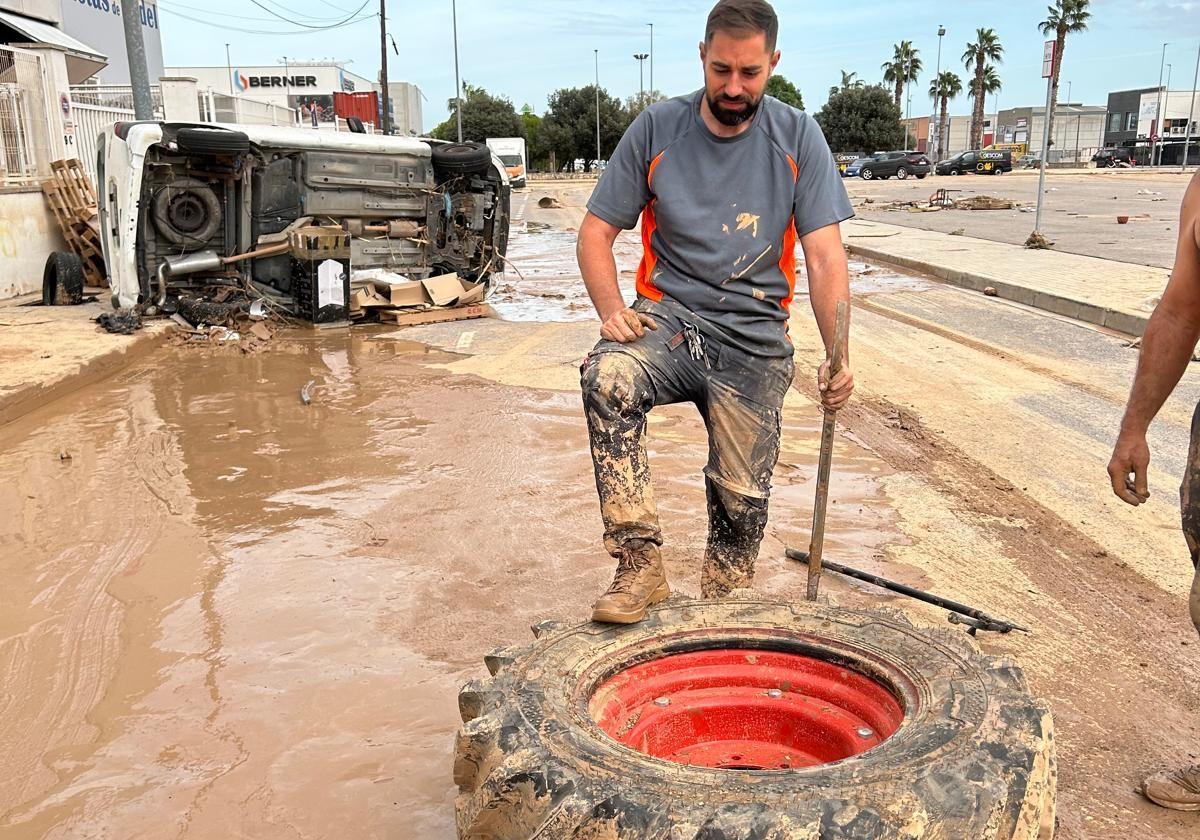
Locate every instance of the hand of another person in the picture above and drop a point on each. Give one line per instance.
(626, 325)
(834, 394)
(1131, 455)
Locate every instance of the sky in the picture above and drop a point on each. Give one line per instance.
(526, 49)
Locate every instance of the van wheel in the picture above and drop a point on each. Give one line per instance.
(461, 159)
(212, 141)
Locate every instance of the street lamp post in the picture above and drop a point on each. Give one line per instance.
(385, 107)
(937, 84)
(457, 84)
(229, 69)
(1155, 138)
(1187, 140)
(597, 52)
(641, 60)
(908, 101)
(651, 25)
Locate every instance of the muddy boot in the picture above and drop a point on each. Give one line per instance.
(1177, 789)
(639, 583)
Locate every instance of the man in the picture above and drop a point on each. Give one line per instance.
(725, 180)
(1167, 347)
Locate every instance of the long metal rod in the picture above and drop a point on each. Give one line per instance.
(597, 52)
(1187, 140)
(229, 69)
(135, 54)
(816, 546)
(1158, 120)
(1041, 196)
(986, 622)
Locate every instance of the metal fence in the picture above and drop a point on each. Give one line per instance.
(90, 120)
(114, 96)
(20, 101)
(223, 108)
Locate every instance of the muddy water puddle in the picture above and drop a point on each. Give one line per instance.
(549, 288)
(227, 613)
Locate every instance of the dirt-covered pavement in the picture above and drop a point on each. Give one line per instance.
(1079, 213)
(228, 614)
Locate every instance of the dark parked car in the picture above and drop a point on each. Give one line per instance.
(1114, 157)
(887, 164)
(980, 162)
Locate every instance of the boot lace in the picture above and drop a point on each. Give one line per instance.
(1188, 778)
(630, 563)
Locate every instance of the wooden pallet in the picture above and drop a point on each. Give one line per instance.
(72, 199)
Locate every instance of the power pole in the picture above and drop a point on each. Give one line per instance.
(1187, 139)
(135, 52)
(936, 133)
(229, 69)
(385, 116)
(1157, 136)
(1049, 56)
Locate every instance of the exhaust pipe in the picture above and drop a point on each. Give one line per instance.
(187, 264)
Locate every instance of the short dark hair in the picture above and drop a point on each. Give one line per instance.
(743, 17)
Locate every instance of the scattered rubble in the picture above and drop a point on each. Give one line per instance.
(1038, 242)
(990, 291)
(548, 202)
(120, 321)
(984, 202)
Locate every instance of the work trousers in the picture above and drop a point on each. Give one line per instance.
(739, 396)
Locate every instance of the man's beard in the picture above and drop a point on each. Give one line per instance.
(731, 118)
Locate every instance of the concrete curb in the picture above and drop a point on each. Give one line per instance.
(18, 402)
(1114, 319)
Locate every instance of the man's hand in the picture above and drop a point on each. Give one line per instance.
(834, 394)
(626, 325)
(1130, 455)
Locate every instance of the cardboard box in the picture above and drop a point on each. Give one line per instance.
(412, 318)
(443, 290)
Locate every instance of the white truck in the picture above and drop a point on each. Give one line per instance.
(511, 151)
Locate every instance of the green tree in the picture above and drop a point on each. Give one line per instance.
(942, 89)
(985, 48)
(861, 119)
(535, 150)
(639, 102)
(904, 67)
(1065, 16)
(569, 127)
(848, 81)
(786, 92)
(483, 116)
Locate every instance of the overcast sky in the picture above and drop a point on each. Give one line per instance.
(525, 49)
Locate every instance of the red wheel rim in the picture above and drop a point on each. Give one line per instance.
(744, 709)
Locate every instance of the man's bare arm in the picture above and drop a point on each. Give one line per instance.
(828, 283)
(594, 251)
(1167, 347)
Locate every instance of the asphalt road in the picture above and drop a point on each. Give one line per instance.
(1079, 214)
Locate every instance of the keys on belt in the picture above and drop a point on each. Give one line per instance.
(695, 343)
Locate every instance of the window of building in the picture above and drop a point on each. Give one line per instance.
(1130, 121)
(1114, 122)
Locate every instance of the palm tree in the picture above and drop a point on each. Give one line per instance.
(942, 89)
(848, 81)
(985, 48)
(1063, 17)
(904, 67)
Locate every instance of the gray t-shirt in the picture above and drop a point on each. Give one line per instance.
(721, 216)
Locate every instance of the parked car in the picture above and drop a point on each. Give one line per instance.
(886, 164)
(1029, 161)
(188, 208)
(977, 161)
(1112, 158)
(842, 160)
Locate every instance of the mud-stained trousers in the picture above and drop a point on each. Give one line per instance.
(740, 397)
(1189, 507)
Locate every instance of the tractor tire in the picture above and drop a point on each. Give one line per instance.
(212, 141)
(453, 159)
(971, 758)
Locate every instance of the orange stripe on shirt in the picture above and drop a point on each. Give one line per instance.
(645, 273)
(787, 262)
(795, 169)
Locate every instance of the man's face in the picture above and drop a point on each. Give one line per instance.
(736, 69)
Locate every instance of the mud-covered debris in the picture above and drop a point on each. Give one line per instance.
(120, 321)
(958, 231)
(549, 202)
(984, 202)
(990, 291)
(64, 455)
(306, 392)
(1038, 242)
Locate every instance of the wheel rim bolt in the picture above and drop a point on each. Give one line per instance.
(865, 732)
(662, 701)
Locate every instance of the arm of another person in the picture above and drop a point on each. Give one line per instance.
(623, 190)
(1167, 347)
(829, 283)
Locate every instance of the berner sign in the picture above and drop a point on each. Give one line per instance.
(282, 81)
